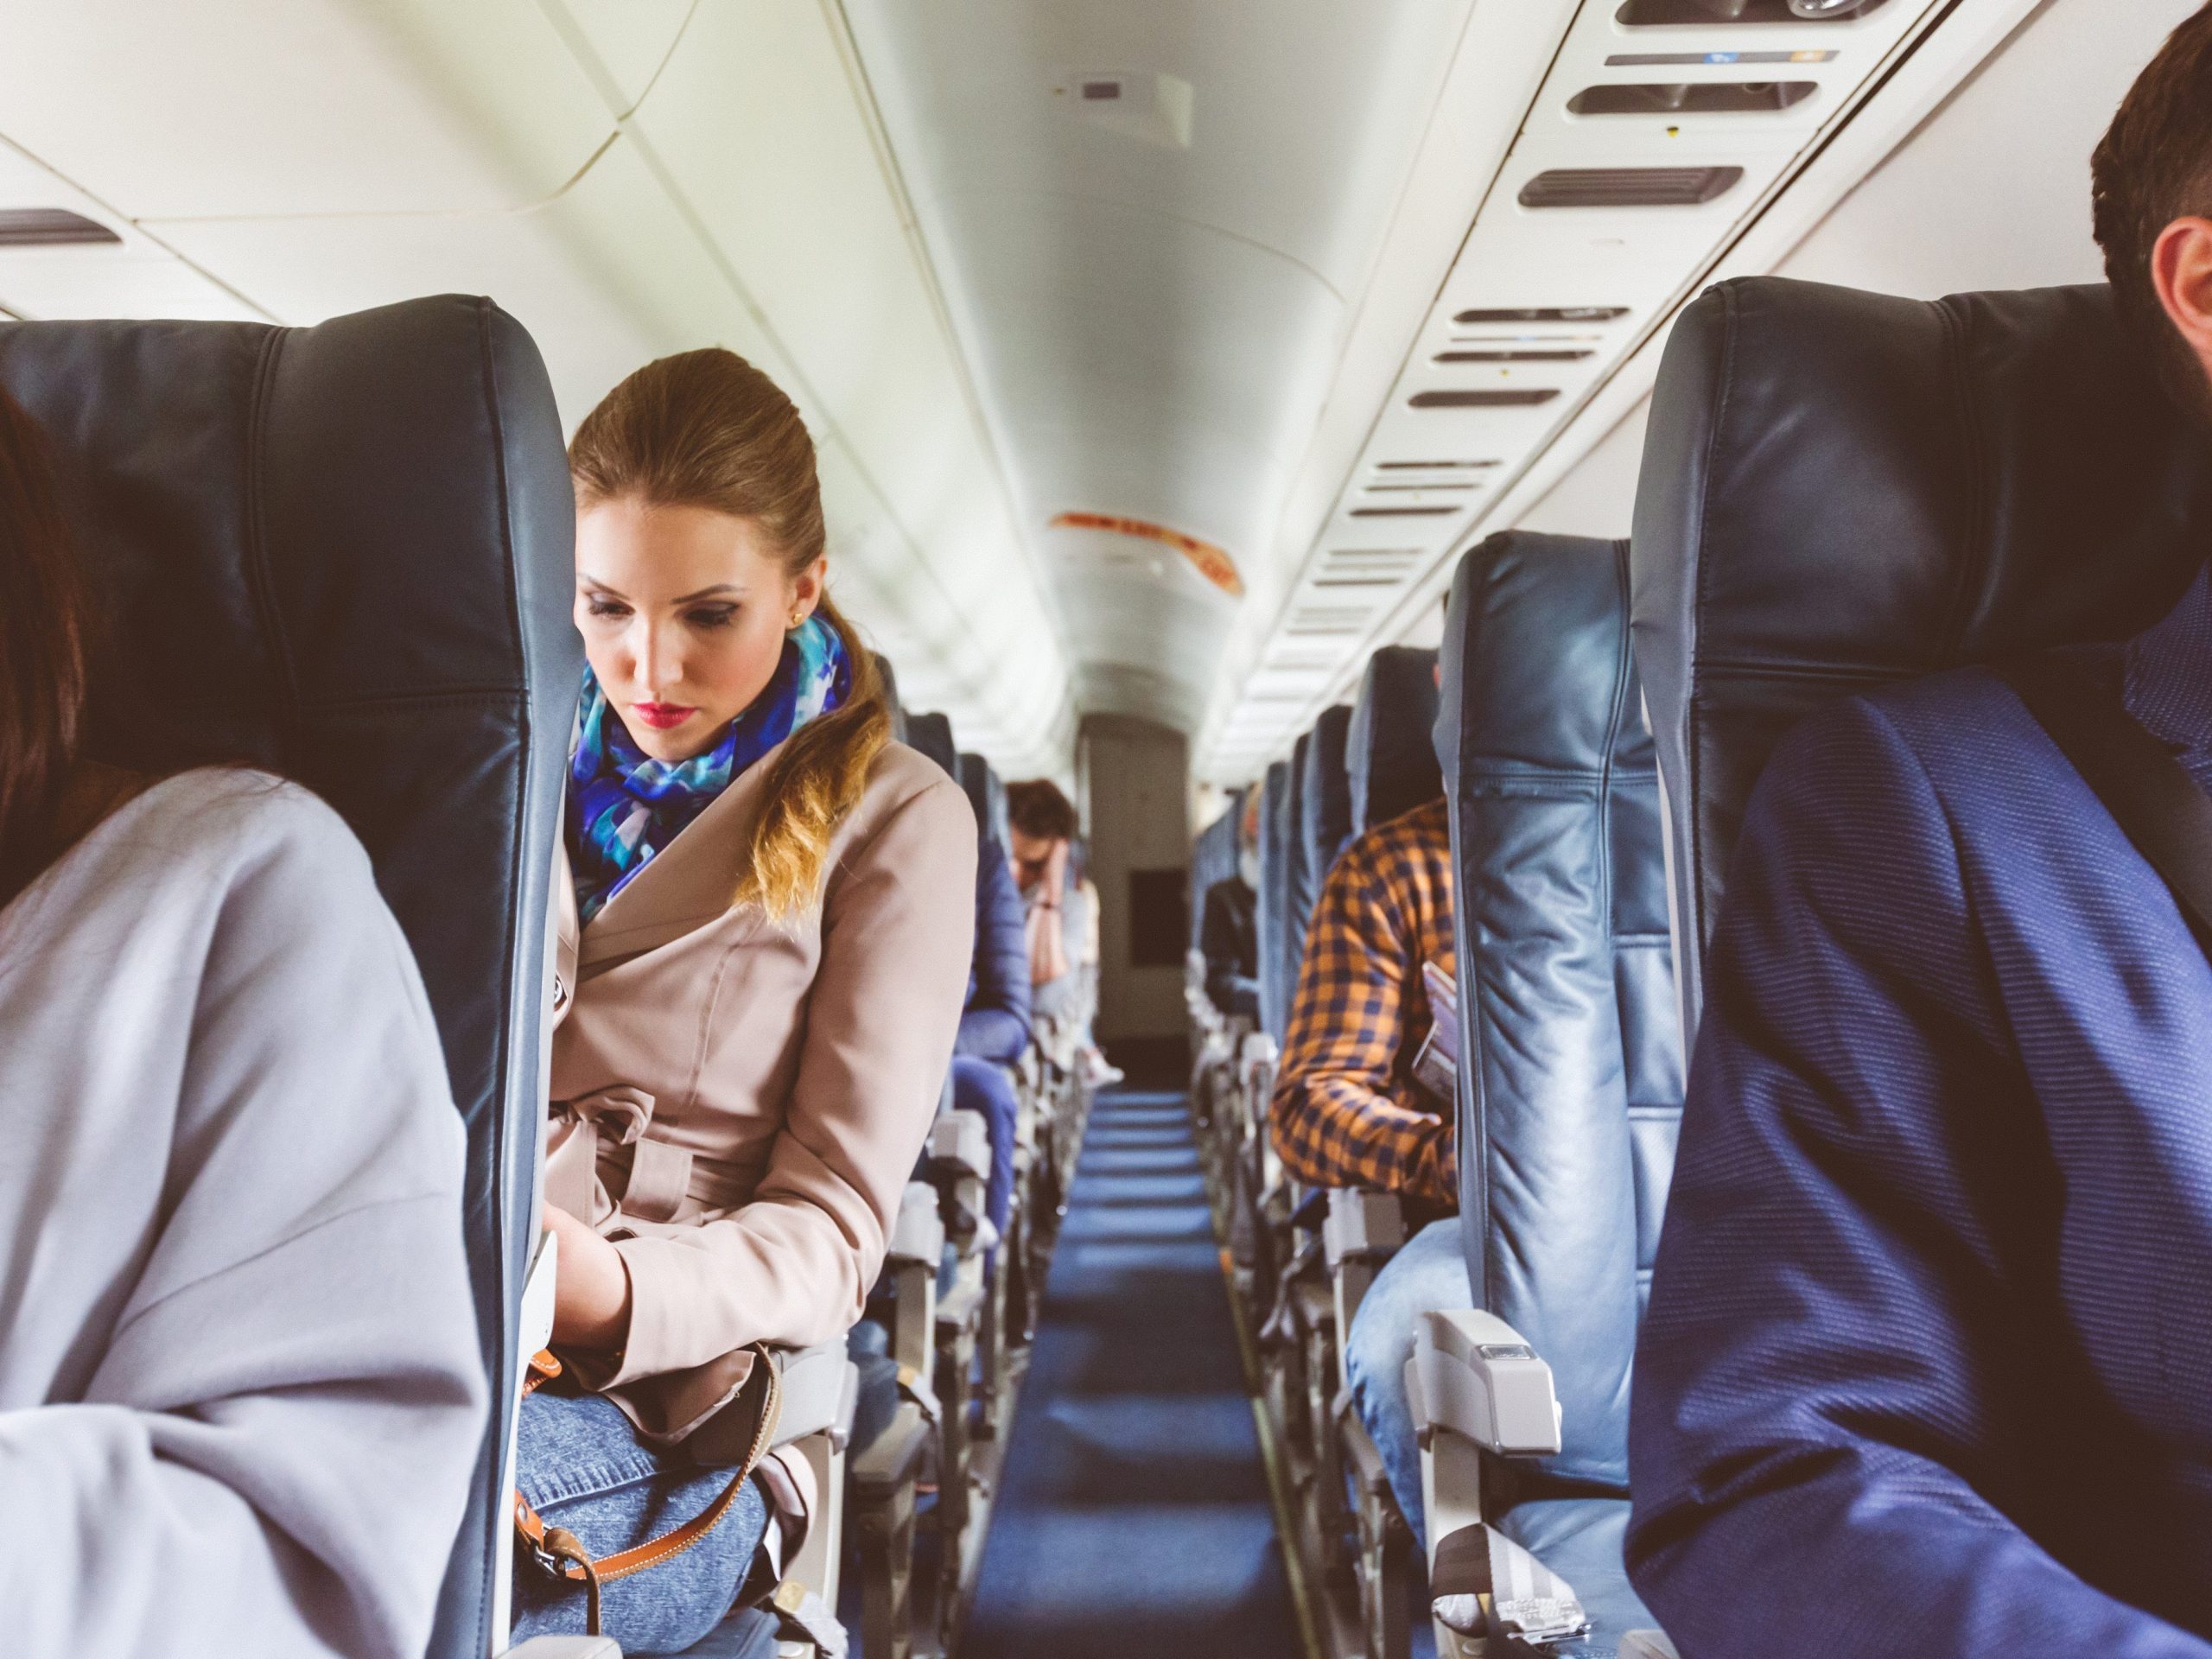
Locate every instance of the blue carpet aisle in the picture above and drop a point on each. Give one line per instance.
(1133, 1520)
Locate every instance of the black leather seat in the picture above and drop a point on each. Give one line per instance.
(1389, 758)
(987, 794)
(1325, 802)
(931, 734)
(1274, 907)
(890, 678)
(1570, 1085)
(344, 553)
(1843, 489)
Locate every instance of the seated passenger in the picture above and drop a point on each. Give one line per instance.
(1924, 1367)
(1348, 1112)
(766, 912)
(1228, 935)
(1061, 914)
(240, 1389)
(994, 1027)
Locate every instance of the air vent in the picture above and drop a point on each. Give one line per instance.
(1543, 314)
(1630, 186)
(1404, 513)
(1516, 356)
(1691, 98)
(1427, 466)
(1430, 487)
(1713, 60)
(1517, 399)
(1661, 14)
(46, 227)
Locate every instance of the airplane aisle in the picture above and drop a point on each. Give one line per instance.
(1135, 1518)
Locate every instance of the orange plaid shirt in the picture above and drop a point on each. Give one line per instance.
(1346, 1110)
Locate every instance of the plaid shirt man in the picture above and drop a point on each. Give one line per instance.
(1346, 1110)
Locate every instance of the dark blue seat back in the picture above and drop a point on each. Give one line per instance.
(345, 553)
(1298, 880)
(931, 734)
(1326, 800)
(1389, 760)
(1213, 858)
(1841, 489)
(987, 794)
(1275, 894)
(1571, 1076)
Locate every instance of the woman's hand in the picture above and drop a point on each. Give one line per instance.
(591, 1293)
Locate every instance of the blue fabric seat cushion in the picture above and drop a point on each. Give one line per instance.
(1579, 1539)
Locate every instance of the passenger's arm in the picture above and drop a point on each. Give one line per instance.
(273, 1450)
(1339, 1116)
(795, 1263)
(1852, 1375)
(995, 1026)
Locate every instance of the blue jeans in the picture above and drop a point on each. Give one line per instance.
(979, 1086)
(1429, 1274)
(581, 1466)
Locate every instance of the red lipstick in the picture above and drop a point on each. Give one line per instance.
(663, 716)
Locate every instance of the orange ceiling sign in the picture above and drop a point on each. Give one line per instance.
(1212, 563)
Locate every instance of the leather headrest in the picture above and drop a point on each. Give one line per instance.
(987, 794)
(931, 734)
(1326, 799)
(1841, 489)
(1391, 760)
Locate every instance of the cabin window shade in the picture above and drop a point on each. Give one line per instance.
(1691, 98)
(1660, 14)
(1630, 186)
(45, 227)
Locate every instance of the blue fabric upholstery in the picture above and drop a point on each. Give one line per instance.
(988, 796)
(1918, 1342)
(1388, 757)
(1570, 1087)
(931, 734)
(1275, 894)
(1213, 858)
(994, 1024)
(1326, 803)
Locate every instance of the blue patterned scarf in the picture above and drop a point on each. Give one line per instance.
(623, 806)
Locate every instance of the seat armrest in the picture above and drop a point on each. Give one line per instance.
(566, 1647)
(1258, 1049)
(1362, 1225)
(820, 1385)
(962, 1138)
(917, 1235)
(1647, 1644)
(1479, 1377)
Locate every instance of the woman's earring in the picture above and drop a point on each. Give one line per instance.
(797, 617)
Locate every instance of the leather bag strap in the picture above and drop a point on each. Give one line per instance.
(2157, 805)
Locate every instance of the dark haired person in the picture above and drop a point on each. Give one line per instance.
(240, 1392)
(1063, 918)
(1928, 1368)
(1228, 932)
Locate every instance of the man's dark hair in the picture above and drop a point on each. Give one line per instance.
(2154, 166)
(1039, 810)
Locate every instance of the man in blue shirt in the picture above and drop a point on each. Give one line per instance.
(1928, 1368)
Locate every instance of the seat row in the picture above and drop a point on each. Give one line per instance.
(1840, 489)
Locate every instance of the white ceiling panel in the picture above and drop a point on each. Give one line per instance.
(298, 106)
(629, 40)
(1154, 288)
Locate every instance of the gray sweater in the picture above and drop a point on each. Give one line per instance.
(240, 1392)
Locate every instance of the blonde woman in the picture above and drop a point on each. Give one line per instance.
(765, 930)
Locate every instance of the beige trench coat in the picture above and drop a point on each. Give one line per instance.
(760, 1091)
